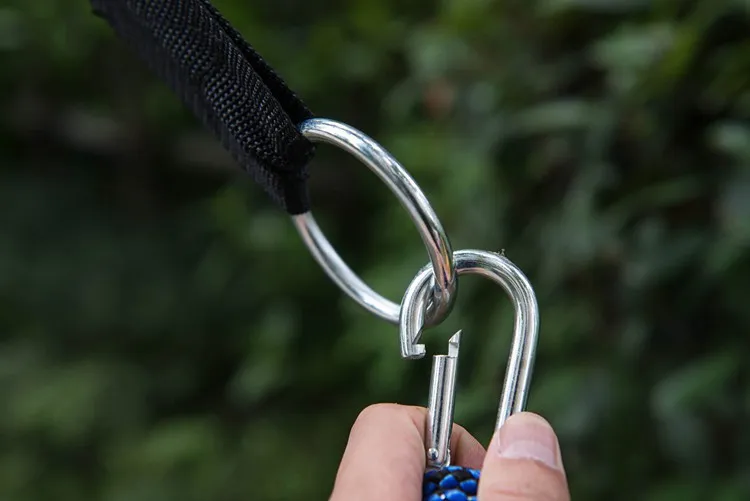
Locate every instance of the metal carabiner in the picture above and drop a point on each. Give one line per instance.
(442, 386)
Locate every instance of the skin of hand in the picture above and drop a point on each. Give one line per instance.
(385, 458)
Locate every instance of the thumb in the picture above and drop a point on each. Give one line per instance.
(523, 463)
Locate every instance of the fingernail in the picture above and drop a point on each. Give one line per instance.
(527, 436)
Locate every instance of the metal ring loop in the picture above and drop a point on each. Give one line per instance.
(443, 290)
(523, 350)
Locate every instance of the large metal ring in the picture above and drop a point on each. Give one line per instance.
(443, 290)
(525, 333)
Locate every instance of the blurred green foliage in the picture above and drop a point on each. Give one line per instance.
(164, 334)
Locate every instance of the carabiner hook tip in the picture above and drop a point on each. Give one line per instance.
(453, 344)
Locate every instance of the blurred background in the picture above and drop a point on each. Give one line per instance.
(165, 335)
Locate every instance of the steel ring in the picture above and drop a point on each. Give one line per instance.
(502, 271)
(387, 168)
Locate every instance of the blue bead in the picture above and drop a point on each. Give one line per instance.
(455, 495)
(432, 474)
(428, 488)
(449, 482)
(469, 486)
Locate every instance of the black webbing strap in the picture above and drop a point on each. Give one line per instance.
(226, 84)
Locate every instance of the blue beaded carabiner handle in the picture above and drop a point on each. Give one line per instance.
(444, 482)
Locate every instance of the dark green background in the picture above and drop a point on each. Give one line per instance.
(164, 334)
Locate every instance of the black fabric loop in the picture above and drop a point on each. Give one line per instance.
(226, 84)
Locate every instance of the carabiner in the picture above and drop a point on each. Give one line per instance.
(442, 387)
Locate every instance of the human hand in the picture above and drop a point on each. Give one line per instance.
(385, 458)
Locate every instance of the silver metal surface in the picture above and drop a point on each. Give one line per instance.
(525, 331)
(441, 404)
(441, 290)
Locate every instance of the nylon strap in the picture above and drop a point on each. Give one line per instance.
(226, 84)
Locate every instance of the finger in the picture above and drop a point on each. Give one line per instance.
(523, 463)
(385, 455)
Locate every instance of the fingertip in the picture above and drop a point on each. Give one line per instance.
(383, 435)
(528, 435)
(466, 450)
(524, 462)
